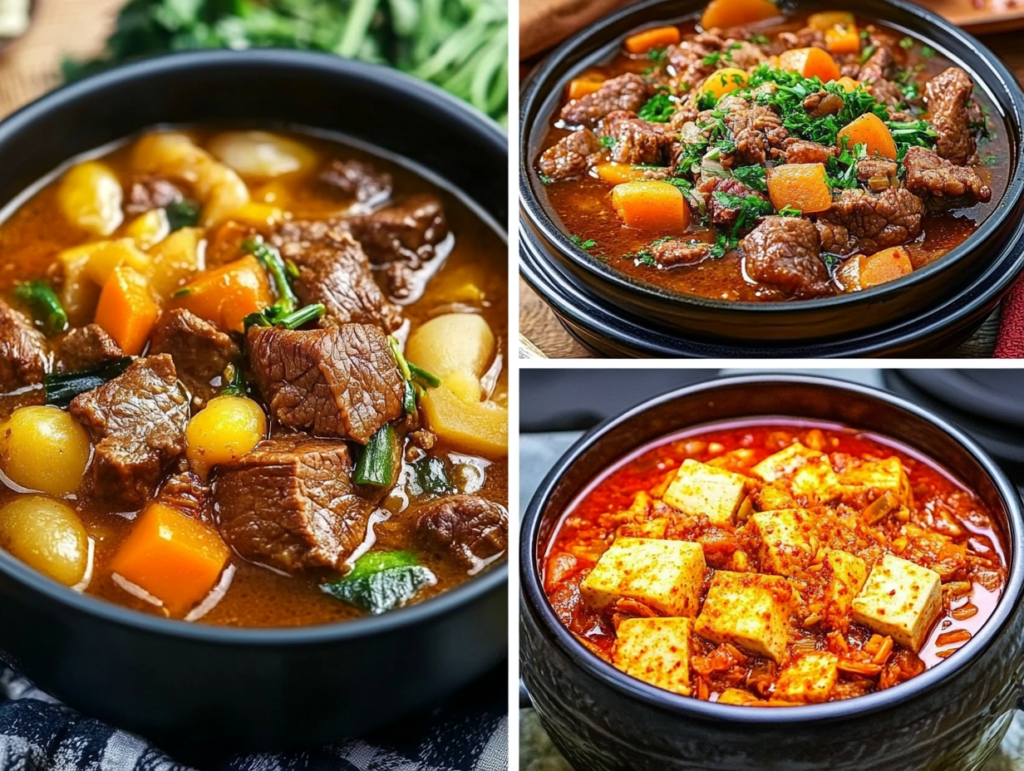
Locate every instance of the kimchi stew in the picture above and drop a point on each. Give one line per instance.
(253, 379)
(775, 564)
(759, 156)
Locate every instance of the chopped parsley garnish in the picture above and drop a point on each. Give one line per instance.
(584, 245)
(544, 178)
(927, 52)
(754, 177)
(907, 43)
(659, 109)
(832, 261)
(711, 60)
(842, 170)
(658, 55)
(608, 142)
(750, 208)
(760, 40)
(733, 47)
(790, 211)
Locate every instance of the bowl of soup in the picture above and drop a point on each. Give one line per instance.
(254, 398)
(753, 180)
(766, 570)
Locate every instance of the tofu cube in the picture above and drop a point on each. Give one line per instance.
(809, 679)
(737, 697)
(665, 575)
(883, 475)
(786, 462)
(817, 480)
(748, 610)
(657, 651)
(702, 489)
(846, 576)
(900, 599)
(789, 540)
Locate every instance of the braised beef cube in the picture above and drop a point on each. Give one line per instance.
(186, 491)
(334, 270)
(358, 180)
(291, 504)
(341, 381)
(879, 173)
(861, 220)
(785, 253)
(571, 156)
(758, 131)
(879, 66)
(24, 357)
(467, 528)
(407, 231)
(637, 142)
(201, 352)
(148, 193)
(678, 251)
(693, 59)
(724, 198)
(84, 348)
(137, 423)
(932, 176)
(626, 92)
(802, 151)
(948, 96)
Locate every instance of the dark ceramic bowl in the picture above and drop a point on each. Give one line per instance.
(950, 718)
(931, 310)
(195, 688)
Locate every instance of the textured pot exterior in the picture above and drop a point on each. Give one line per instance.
(951, 718)
(198, 689)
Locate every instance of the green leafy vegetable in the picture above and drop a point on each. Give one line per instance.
(379, 462)
(272, 261)
(658, 55)
(432, 475)
(790, 211)
(267, 318)
(44, 304)
(754, 177)
(760, 40)
(659, 109)
(182, 214)
(867, 53)
(711, 60)
(585, 245)
(607, 142)
(62, 388)
(381, 581)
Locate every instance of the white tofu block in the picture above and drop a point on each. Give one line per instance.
(786, 462)
(884, 475)
(900, 599)
(789, 540)
(817, 480)
(702, 489)
(665, 575)
(809, 679)
(748, 610)
(657, 651)
(737, 697)
(847, 574)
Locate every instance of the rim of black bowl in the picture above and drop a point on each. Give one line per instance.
(443, 604)
(541, 218)
(533, 595)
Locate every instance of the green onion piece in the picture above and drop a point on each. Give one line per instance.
(422, 376)
(301, 316)
(182, 214)
(236, 381)
(45, 305)
(409, 398)
(62, 388)
(271, 259)
(396, 351)
(377, 465)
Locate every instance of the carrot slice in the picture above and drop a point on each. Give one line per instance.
(885, 266)
(869, 130)
(580, 87)
(735, 13)
(651, 204)
(843, 39)
(810, 62)
(658, 37)
(803, 186)
(617, 173)
(126, 311)
(724, 82)
(173, 557)
(227, 295)
(849, 84)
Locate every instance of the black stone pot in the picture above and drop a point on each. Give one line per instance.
(950, 718)
(198, 689)
(928, 312)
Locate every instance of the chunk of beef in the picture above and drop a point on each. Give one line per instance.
(879, 66)
(785, 253)
(808, 37)
(87, 347)
(803, 151)
(24, 356)
(822, 103)
(637, 142)
(137, 423)
(467, 528)
(676, 251)
(201, 352)
(571, 156)
(859, 220)
(692, 59)
(341, 381)
(186, 491)
(948, 96)
(879, 173)
(334, 270)
(720, 194)
(147, 193)
(291, 504)
(757, 131)
(355, 179)
(741, 54)
(930, 175)
(626, 92)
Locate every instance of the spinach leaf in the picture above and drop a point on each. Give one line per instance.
(381, 581)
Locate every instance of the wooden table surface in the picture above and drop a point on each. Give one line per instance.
(539, 326)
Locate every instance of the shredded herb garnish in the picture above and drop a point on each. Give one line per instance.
(659, 109)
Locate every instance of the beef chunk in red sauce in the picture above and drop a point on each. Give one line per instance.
(291, 504)
(24, 357)
(677, 251)
(571, 156)
(185, 491)
(878, 172)
(637, 142)
(948, 96)
(928, 175)
(808, 37)
(469, 529)
(87, 347)
(757, 130)
(720, 194)
(201, 352)
(148, 193)
(785, 253)
(137, 423)
(408, 231)
(803, 151)
(859, 220)
(334, 270)
(336, 382)
(358, 180)
(627, 92)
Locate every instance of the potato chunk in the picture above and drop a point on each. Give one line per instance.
(846, 576)
(748, 610)
(901, 600)
(789, 540)
(883, 475)
(666, 575)
(808, 680)
(702, 489)
(657, 651)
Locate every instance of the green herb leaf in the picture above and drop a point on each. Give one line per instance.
(379, 462)
(907, 43)
(658, 55)
(659, 109)
(183, 214)
(607, 142)
(381, 581)
(927, 52)
(44, 304)
(790, 211)
(754, 177)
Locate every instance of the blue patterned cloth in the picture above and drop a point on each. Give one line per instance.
(467, 732)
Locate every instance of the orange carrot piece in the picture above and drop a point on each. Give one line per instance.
(871, 131)
(617, 173)
(723, 82)
(227, 295)
(735, 13)
(810, 62)
(658, 37)
(843, 39)
(885, 266)
(580, 87)
(651, 204)
(175, 558)
(803, 186)
(849, 84)
(126, 311)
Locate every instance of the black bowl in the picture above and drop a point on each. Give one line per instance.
(195, 688)
(931, 310)
(950, 718)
